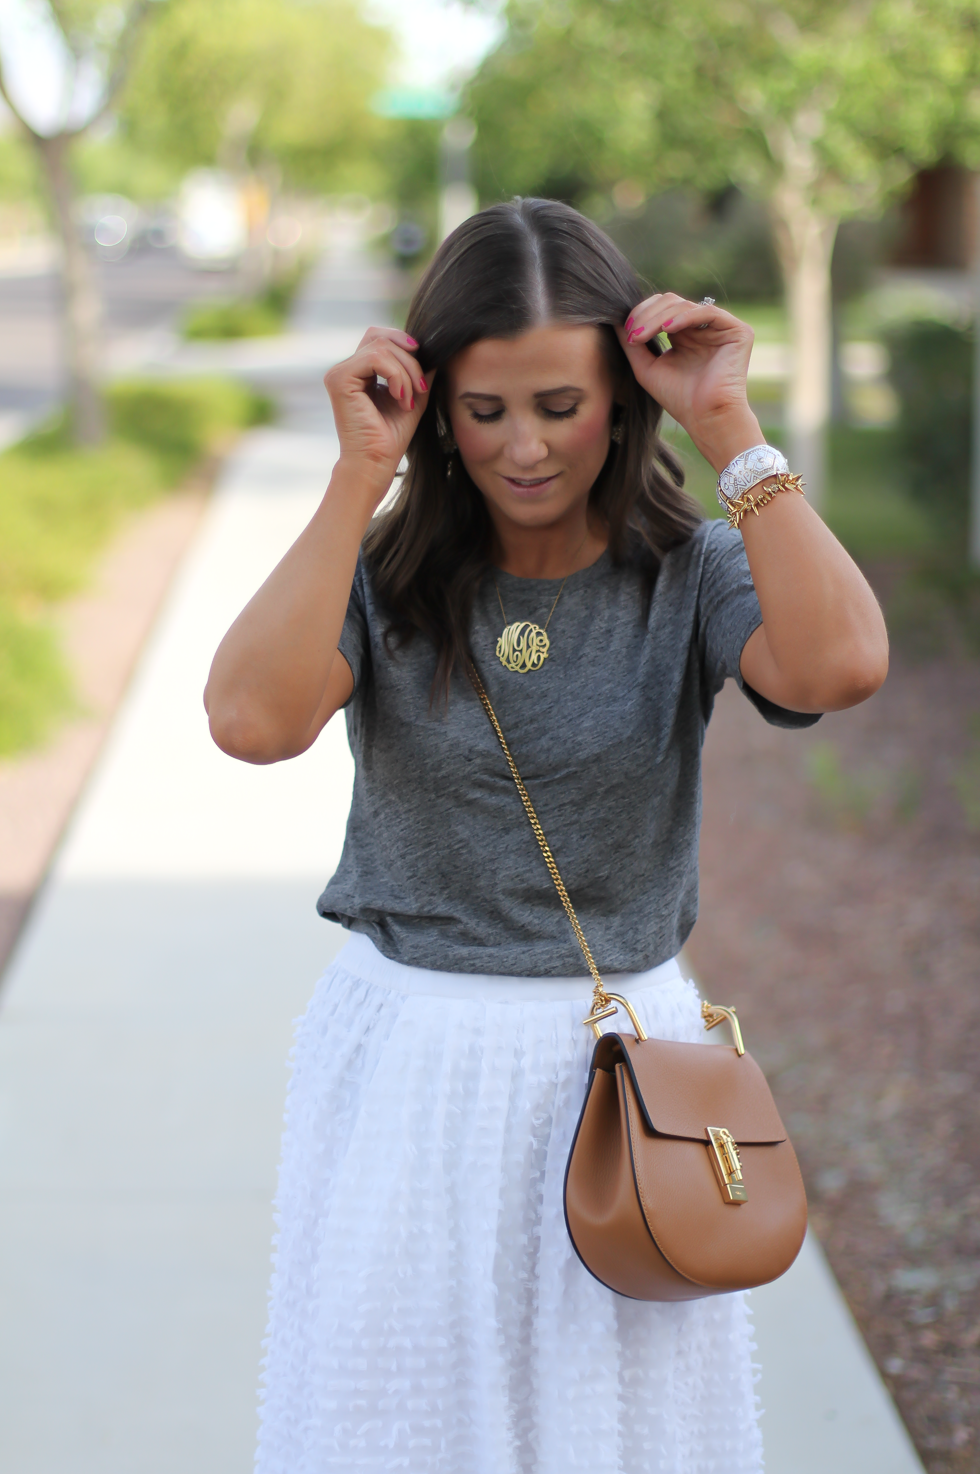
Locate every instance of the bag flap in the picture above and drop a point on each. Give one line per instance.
(683, 1088)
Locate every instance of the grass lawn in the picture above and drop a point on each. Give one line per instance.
(59, 506)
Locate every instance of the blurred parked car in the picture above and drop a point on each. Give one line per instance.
(159, 229)
(212, 220)
(407, 239)
(110, 224)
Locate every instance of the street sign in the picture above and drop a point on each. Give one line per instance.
(413, 102)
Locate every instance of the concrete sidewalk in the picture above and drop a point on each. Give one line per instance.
(145, 1027)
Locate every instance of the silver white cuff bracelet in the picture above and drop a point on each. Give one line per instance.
(748, 469)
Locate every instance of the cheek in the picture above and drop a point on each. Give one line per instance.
(476, 442)
(587, 432)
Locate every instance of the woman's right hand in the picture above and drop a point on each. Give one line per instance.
(376, 421)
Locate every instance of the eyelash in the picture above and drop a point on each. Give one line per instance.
(552, 414)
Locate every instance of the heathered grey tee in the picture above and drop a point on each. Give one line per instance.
(440, 867)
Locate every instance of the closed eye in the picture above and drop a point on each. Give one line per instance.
(551, 414)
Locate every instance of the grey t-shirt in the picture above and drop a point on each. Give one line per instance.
(440, 867)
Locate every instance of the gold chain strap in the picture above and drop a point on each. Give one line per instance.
(600, 998)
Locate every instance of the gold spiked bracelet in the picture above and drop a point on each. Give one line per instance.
(761, 495)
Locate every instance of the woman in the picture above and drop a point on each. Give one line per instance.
(428, 1312)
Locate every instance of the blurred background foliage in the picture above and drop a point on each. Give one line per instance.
(283, 84)
(932, 370)
(582, 94)
(59, 505)
(716, 244)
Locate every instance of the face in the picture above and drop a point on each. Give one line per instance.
(532, 417)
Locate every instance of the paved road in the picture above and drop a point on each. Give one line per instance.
(142, 294)
(145, 1024)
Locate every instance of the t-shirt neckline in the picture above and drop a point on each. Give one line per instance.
(580, 574)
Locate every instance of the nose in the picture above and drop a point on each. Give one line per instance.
(526, 448)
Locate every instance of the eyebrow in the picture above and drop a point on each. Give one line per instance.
(541, 394)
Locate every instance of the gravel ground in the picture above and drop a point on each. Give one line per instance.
(840, 912)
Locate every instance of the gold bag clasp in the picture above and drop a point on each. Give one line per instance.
(727, 1165)
(605, 1008)
(714, 1014)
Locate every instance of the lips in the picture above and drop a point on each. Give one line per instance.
(528, 486)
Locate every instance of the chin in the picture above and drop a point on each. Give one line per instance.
(535, 514)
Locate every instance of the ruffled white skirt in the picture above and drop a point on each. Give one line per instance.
(428, 1312)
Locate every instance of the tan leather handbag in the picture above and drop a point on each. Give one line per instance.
(681, 1181)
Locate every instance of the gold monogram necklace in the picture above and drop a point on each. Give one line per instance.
(523, 646)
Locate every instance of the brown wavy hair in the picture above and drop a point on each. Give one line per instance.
(505, 270)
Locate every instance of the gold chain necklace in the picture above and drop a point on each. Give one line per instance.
(523, 646)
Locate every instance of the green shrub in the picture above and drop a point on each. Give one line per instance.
(35, 688)
(682, 241)
(183, 419)
(846, 797)
(60, 504)
(245, 317)
(238, 318)
(966, 779)
(932, 373)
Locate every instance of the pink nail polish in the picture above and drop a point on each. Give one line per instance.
(423, 386)
(668, 322)
(629, 323)
(412, 340)
(401, 392)
(412, 404)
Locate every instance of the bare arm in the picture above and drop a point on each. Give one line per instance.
(822, 644)
(277, 677)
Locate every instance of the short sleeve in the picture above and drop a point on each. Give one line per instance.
(354, 642)
(728, 612)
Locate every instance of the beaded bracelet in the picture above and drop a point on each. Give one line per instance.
(751, 500)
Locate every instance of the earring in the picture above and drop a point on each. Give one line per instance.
(618, 428)
(447, 443)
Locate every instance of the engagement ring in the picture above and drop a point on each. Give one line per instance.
(706, 302)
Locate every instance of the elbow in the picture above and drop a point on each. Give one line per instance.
(857, 675)
(240, 735)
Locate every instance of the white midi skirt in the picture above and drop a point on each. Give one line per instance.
(428, 1313)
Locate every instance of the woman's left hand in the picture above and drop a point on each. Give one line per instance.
(700, 380)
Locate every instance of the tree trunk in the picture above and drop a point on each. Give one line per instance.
(838, 400)
(82, 307)
(973, 536)
(805, 245)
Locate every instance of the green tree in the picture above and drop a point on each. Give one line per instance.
(97, 42)
(246, 82)
(283, 83)
(821, 107)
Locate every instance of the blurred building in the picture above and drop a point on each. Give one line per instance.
(939, 221)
